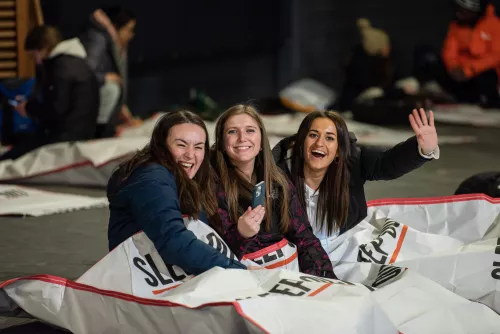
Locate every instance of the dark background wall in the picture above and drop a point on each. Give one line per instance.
(328, 29)
(238, 50)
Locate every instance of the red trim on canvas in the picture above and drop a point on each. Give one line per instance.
(80, 164)
(266, 250)
(433, 200)
(401, 239)
(283, 262)
(123, 296)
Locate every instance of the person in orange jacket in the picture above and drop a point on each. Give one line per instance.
(471, 54)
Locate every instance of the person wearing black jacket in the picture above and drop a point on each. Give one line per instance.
(67, 110)
(106, 41)
(329, 169)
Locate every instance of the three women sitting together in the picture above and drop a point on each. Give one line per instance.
(313, 186)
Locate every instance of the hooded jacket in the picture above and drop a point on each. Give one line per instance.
(474, 49)
(69, 104)
(147, 200)
(367, 164)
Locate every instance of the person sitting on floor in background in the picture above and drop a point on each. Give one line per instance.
(329, 170)
(69, 103)
(371, 72)
(170, 177)
(242, 158)
(471, 55)
(106, 41)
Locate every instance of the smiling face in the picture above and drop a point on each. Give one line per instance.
(186, 143)
(321, 145)
(242, 141)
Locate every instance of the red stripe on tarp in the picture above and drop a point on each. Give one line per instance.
(323, 287)
(267, 250)
(157, 292)
(68, 167)
(283, 262)
(400, 243)
(433, 200)
(126, 297)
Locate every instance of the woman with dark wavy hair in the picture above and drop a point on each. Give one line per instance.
(329, 169)
(170, 177)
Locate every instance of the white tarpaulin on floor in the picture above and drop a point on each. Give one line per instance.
(452, 241)
(91, 163)
(467, 114)
(267, 301)
(281, 126)
(88, 163)
(24, 201)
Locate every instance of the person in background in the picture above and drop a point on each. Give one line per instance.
(242, 158)
(371, 72)
(106, 41)
(487, 183)
(329, 169)
(170, 177)
(69, 101)
(471, 54)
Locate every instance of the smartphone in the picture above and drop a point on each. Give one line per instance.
(259, 194)
(13, 103)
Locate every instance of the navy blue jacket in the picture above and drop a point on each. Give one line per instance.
(148, 201)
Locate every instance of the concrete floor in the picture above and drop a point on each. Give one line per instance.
(68, 244)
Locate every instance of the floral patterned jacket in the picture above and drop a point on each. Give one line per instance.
(311, 255)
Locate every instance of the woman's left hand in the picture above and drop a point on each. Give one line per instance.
(424, 129)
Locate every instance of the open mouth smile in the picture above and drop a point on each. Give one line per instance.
(318, 154)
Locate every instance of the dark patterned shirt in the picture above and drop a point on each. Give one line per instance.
(312, 257)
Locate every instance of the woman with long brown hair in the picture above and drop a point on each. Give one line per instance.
(170, 177)
(242, 158)
(329, 170)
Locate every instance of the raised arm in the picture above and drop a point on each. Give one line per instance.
(377, 164)
(236, 242)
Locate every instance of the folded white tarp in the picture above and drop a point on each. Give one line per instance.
(268, 301)
(281, 126)
(132, 291)
(307, 95)
(88, 163)
(24, 201)
(454, 240)
(467, 114)
(91, 163)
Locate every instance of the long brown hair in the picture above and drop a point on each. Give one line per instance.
(333, 200)
(237, 187)
(194, 194)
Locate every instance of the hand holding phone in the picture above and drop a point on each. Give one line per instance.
(249, 223)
